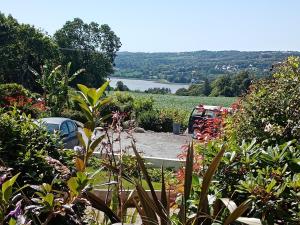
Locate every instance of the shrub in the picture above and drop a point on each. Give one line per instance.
(13, 90)
(24, 146)
(162, 120)
(122, 102)
(15, 95)
(142, 104)
(158, 91)
(182, 92)
(267, 175)
(150, 120)
(271, 110)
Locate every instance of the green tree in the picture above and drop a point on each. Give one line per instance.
(120, 86)
(21, 46)
(241, 82)
(222, 86)
(89, 46)
(206, 87)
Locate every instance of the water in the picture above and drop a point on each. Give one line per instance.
(142, 85)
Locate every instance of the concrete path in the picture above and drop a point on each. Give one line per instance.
(153, 144)
(162, 145)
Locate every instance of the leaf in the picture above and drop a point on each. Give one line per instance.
(92, 97)
(208, 177)
(49, 198)
(96, 142)
(81, 140)
(147, 178)
(84, 89)
(103, 102)
(99, 204)
(239, 211)
(149, 206)
(164, 199)
(86, 112)
(249, 221)
(12, 221)
(187, 182)
(79, 164)
(78, 72)
(101, 90)
(231, 206)
(73, 185)
(7, 188)
(88, 133)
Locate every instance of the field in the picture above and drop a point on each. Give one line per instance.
(186, 103)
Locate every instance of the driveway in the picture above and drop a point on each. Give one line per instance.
(153, 144)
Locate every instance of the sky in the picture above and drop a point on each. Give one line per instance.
(174, 25)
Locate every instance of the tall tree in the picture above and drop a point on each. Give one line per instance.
(21, 46)
(89, 46)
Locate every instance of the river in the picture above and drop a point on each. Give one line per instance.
(142, 85)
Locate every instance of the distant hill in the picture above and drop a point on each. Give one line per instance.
(183, 66)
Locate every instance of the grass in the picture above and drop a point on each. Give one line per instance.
(102, 178)
(186, 103)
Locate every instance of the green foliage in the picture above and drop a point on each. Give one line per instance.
(55, 84)
(162, 120)
(128, 104)
(89, 46)
(158, 91)
(271, 110)
(6, 195)
(120, 86)
(202, 89)
(151, 208)
(267, 175)
(229, 86)
(21, 46)
(13, 90)
(91, 101)
(184, 66)
(150, 120)
(184, 102)
(182, 92)
(24, 146)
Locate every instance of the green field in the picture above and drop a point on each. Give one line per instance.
(186, 103)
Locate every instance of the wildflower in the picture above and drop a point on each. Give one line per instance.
(79, 149)
(2, 179)
(17, 211)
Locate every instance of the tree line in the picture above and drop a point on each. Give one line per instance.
(85, 45)
(185, 67)
(224, 85)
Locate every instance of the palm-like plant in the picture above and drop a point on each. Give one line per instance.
(55, 84)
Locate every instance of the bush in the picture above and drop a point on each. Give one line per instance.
(150, 120)
(182, 92)
(13, 90)
(24, 145)
(158, 91)
(271, 110)
(162, 120)
(142, 104)
(122, 102)
(15, 95)
(267, 175)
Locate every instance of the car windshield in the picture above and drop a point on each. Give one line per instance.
(52, 127)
